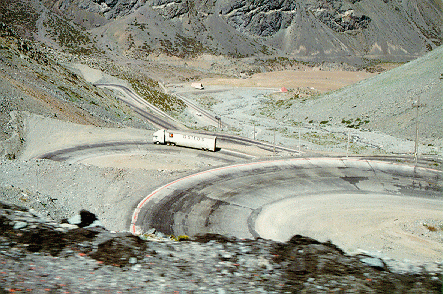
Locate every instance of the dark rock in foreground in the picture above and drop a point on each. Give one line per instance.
(40, 255)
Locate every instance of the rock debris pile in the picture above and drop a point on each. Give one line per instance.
(40, 255)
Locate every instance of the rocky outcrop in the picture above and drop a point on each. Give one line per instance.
(11, 140)
(340, 17)
(260, 18)
(265, 18)
(114, 8)
(170, 9)
(93, 10)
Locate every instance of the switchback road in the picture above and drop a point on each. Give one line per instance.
(357, 204)
(162, 120)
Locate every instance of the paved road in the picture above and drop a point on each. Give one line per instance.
(155, 116)
(324, 198)
(161, 119)
(212, 119)
(86, 151)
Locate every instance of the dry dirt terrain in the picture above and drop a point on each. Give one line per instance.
(315, 79)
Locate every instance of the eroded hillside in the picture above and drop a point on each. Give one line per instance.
(33, 82)
(339, 30)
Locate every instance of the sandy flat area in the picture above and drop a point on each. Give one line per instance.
(322, 81)
(389, 224)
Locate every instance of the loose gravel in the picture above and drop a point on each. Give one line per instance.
(38, 255)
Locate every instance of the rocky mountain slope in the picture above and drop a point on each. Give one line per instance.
(309, 30)
(42, 80)
(32, 81)
(385, 103)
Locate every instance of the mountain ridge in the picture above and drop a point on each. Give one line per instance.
(309, 30)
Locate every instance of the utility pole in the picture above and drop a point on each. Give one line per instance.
(218, 118)
(416, 104)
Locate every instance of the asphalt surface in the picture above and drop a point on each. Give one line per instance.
(325, 198)
(82, 152)
(155, 116)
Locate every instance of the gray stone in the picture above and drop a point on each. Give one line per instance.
(373, 262)
(20, 225)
